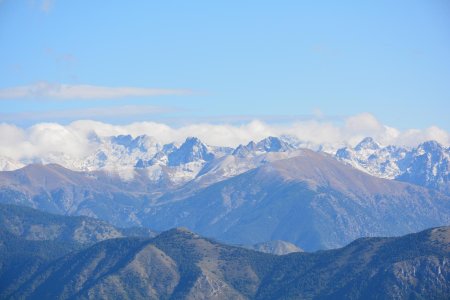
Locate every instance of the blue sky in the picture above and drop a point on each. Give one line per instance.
(227, 61)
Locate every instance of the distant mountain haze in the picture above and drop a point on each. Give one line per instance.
(307, 198)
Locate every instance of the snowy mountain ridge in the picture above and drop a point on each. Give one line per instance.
(426, 165)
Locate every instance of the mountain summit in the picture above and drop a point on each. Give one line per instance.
(191, 150)
(367, 143)
(427, 165)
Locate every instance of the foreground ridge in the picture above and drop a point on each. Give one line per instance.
(180, 264)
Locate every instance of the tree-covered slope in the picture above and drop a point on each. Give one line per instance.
(179, 264)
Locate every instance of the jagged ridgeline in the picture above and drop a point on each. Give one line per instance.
(179, 264)
(173, 164)
(303, 197)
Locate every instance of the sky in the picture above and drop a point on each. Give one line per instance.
(228, 63)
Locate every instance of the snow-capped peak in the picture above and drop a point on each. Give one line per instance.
(269, 144)
(428, 164)
(142, 143)
(430, 146)
(191, 150)
(9, 164)
(367, 143)
(370, 157)
(273, 144)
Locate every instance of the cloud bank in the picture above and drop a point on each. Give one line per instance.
(45, 140)
(46, 90)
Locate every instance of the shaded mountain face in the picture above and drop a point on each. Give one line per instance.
(20, 259)
(310, 200)
(33, 225)
(29, 239)
(410, 267)
(179, 264)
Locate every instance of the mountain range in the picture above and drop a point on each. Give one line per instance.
(311, 200)
(101, 238)
(303, 197)
(426, 165)
(179, 264)
(176, 164)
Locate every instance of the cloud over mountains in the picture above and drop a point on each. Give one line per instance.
(77, 138)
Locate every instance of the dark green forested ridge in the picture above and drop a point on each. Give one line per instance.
(178, 264)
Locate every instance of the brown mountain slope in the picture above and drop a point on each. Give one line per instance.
(310, 200)
(179, 264)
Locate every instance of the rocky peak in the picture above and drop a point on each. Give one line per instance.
(272, 144)
(343, 153)
(141, 143)
(191, 150)
(269, 144)
(243, 151)
(430, 147)
(367, 143)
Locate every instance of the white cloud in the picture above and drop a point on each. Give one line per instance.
(52, 137)
(75, 139)
(363, 122)
(88, 113)
(411, 136)
(46, 90)
(362, 125)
